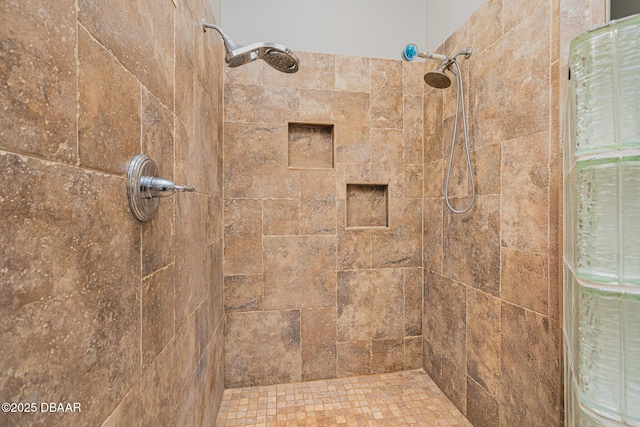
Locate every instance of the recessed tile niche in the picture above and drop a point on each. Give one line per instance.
(310, 146)
(367, 205)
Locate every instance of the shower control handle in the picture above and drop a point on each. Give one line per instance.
(151, 186)
(145, 188)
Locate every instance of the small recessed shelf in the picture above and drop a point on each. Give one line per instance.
(367, 205)
(310, 146)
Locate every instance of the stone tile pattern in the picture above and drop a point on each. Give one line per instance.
(290, 261)
(123, 317)
(492, 284)
(393, 399)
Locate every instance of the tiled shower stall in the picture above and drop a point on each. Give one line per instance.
(317, 244)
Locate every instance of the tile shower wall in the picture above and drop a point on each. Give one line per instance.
(306, 297)
(122, 317)
(492, 281)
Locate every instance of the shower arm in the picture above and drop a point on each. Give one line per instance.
(228, 43)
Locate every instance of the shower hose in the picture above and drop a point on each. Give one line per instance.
(459, 94)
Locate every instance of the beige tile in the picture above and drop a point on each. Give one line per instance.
(432, 234)
(433, 129)
(38, 94)
(109, 109)
(413, 181)
(280, 217)
(318, 336)
(299, 272)
(459, 180)
(525, 279)
(370, 305)
(141, 36)
(158, 305)
(191, 257)
(310, 146)
(400, 246)
(276, 334)
(386, 160)
(350, 173)
(413, 73)
(413, 301)
(206, 146)
(185, 50)
(445, 318)
(471, 243)
(353, 73)
(386, 94)
(243, 293)
(485, 25)
(413, 132)
(354, 246)
(413, 352)
(317, 71)
(530, 387)
(257, 170)
(61, 274)
(456, 42)
(526, 76)
(318, 216)
(261, 104)
(354, 358)
(454, 384)
(387, 355)
(525, 189)
(482, 408)
(248, 74)
(158, 390)
(367, 205)
(243, 237)
(513, 14)
(483, 340)
(434, 179)
(486, 172)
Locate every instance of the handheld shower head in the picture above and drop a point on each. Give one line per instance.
(274, 54)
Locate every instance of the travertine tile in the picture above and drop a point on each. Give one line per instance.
(485, 25)
(354, 246)
(349, 173)
(413, 352)
(386, 160)
(413, 301)
(434, 179)
(318, 336)
(387, 355)
(472, 244)
(248, 74)
(413, 73)
(459, 180)
(486, 172)
(39, 79)
(525, 279)
(386, 94)
(55, 276)
(526, 76)
(276, 334)
(483, 340)
(257, 170)
(445, 318)
(413, 181)
(514, 14)
(242, 293)
(109, 109)
(353, 73)
(191, 256)
(243, 236)
(530, 386)
(367, 205)
(185, 61)
(370, 305)
(310, 146)
(525, 192)
(318, 216)
(280, 217)
(400, 246)
(482, 408)
(261, 104)
(413, 132)
(158, 305)
(432, 234)
(205, 148)
(316, 71)
(299, 272)
(454, 384)
(140, 36)
(354, 358)
(433, 129)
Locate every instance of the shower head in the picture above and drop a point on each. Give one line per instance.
(274, 54)
(438, 79)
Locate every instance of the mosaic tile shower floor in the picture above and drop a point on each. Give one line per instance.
(407, 398)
